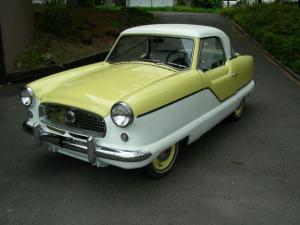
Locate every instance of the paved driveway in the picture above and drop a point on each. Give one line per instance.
(244, 172)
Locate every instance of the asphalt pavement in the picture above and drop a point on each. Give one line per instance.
(239, 173)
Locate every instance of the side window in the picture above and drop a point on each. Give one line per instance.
(212, 54)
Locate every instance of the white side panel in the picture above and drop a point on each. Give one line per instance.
(192, 116)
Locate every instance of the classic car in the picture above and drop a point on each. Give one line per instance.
(161, 86)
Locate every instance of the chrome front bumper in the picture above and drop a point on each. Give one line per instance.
(88, 146)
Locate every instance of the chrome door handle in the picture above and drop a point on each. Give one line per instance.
(234, 74)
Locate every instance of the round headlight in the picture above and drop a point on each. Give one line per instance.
(122, 114)
(27, 96)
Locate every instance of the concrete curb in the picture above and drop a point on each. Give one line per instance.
(275, 60)
(22, 76)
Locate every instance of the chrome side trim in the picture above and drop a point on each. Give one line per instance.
(122, 155)
(69, 129)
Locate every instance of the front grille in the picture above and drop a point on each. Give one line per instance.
(73, 119)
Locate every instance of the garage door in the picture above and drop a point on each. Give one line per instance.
(150, 3)
(162, 3)
(140, 3)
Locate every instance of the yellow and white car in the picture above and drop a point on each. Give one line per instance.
(160, 85)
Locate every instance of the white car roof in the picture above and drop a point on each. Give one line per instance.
(184, 30)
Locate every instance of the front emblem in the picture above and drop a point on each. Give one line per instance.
(70, 117)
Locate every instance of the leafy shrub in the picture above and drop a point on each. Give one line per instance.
(133, 16)
(275, 26)
(208, 3)
(89, 3)
(54, 16)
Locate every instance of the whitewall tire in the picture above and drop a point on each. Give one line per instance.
(163, 163)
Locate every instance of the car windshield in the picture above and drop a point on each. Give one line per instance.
(170, 51)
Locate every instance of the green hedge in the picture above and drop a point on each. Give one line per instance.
(207, 3)
(275, 26)
(53, 17)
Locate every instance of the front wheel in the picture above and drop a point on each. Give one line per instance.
(163, 163)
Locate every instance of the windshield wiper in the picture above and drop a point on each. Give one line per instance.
(177, 65)
(156, 61)
(150, 60)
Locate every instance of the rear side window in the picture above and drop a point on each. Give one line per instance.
(212, 54)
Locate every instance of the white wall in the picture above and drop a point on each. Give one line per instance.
(252, 2)
(231, 3)
(43, 1)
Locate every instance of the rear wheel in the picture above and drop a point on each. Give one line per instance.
(239, 110)
(163, 163)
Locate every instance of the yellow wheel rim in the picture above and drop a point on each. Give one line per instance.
(239, 110)
(164, 159)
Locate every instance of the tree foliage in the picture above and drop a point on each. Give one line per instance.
(275, 26)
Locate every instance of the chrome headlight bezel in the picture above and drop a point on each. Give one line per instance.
(122, 109)
(27, 92)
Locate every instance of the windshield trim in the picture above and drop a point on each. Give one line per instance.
(153, 35)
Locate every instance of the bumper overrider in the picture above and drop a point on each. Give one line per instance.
(89, 147)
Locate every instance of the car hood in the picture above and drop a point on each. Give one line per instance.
(97, 87)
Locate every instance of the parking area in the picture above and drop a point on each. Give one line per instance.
(243, 172)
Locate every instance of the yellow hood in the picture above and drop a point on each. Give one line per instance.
(98, 86)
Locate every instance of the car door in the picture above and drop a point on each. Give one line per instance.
(242, 70)
(216, 73)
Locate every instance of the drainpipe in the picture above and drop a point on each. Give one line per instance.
(2, 64)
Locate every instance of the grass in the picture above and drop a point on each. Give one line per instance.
(108, 8)
(275, 26)
(63, 35)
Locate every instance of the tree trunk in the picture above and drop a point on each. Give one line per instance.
(17, 25)
(2, 64)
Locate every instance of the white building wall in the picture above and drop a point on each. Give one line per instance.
(249, 2)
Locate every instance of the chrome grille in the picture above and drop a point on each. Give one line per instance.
(85, 123)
